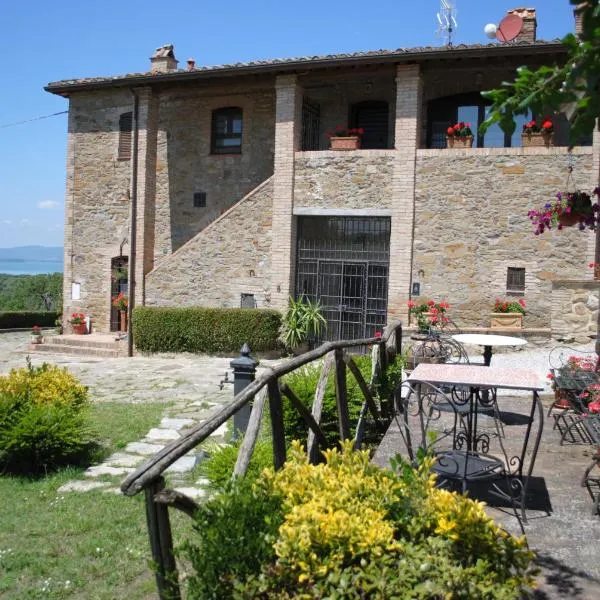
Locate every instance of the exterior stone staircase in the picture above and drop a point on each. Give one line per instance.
(104, 345)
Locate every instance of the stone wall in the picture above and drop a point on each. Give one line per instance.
(97, 201)
(575, 309)
(185, 164)
(471, 224)
(230, 257)
(354, 179)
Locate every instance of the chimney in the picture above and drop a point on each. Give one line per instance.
(528, 33)
(191, 64)
(578, 13)
(163, 60)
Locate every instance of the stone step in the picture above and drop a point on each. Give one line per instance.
(86, 341)
(75, 350)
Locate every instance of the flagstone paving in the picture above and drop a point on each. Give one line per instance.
(188, 384)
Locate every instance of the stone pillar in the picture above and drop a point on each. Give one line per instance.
(146, 189)
(578, 14)
(288, 109)
(407, 131)
(69, 207)
(593, 249)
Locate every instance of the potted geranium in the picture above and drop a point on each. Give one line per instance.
(459, 135)
(78, 323)
(120, 302)
(567, 209)
(536, 134)
(345, 138)
(508, 314)
(429, 314)
(36, 334)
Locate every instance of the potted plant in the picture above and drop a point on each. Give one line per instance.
(459, 136)
(120, 303)
(567, 209)
(78, 323)
(345, 138)
(508, 314)
(301, 324)
(535, 134)
(429, 314)
(36, 335)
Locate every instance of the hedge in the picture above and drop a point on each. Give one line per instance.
(21, 319)
(205, 330)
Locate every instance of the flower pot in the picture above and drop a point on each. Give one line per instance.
(36, 339)
(509, 320)
(344, 143)
(537, 139)
(79, 328)
(568, 220)
(459, 141)
(122, 320)
(561, 400)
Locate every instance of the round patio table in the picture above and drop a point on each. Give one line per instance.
(488, 341)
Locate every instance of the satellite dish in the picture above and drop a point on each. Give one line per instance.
(490, 30)
(510, 27)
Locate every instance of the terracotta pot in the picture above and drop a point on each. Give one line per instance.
(537, 139)
(122, 320)
(507, 320)
(459, 141)
(560, 399)
(344, 143)
(79, 329)
(569, 220)
(36, 339)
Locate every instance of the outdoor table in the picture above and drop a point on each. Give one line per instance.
(488, 341)
(469, 459)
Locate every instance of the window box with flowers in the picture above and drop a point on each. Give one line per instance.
(345, 138)
(508, 314)
(459, 136)
(78, 325)
(535, 134)
(120, 302)
(429, 314)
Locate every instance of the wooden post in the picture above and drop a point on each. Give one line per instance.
(312, 444)
(364, 388)
(340, 394)
(251, 435)
(305, 414)
(161, 543)
(277, 427)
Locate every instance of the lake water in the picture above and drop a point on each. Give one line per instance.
(30, 267)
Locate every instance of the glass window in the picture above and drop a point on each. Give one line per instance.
(227, 131)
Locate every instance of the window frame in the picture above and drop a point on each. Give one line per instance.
(512, 274)
(124, 150)
(231, 114)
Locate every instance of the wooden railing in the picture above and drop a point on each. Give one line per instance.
(148, 477)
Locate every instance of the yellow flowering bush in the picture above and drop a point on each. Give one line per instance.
(42, 418)
(350, 530)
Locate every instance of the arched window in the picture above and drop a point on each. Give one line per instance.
(125, 127)
(471, 108)
(227, 131)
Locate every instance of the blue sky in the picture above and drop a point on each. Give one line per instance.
(49, 41)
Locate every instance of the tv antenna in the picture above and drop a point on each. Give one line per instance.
(446, 21)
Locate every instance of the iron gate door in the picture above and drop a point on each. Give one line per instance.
(343, 263)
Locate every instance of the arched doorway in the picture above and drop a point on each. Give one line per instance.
(119, 282)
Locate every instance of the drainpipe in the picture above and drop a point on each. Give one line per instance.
(133, 222)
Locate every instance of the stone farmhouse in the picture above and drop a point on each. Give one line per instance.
(223, 178)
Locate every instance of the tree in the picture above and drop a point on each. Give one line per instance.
(572, 88)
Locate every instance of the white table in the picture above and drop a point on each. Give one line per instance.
(488, 341)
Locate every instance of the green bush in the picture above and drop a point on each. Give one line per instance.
(23, 319)
(205, 330)
(42, 419)
(218, 468)
(349, 530)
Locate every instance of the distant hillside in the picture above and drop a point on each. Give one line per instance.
(35, 253)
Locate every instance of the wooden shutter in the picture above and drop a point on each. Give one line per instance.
(125, 137)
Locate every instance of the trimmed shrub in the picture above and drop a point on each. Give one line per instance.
(205, 330)
(348, 529)
(23, 319)
(42, 419)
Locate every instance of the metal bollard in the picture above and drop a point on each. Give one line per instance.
(244, 370)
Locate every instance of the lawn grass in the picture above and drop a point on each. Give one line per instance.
(90, 545)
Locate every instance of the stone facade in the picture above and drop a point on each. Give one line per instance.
(574, 310)
(355, 179)
(230, 257)
(471, 225)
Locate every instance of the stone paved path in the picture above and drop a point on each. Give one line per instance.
(188, 384)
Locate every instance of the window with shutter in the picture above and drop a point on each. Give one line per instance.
(227, 131)
(515, 281)
(125, 137)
